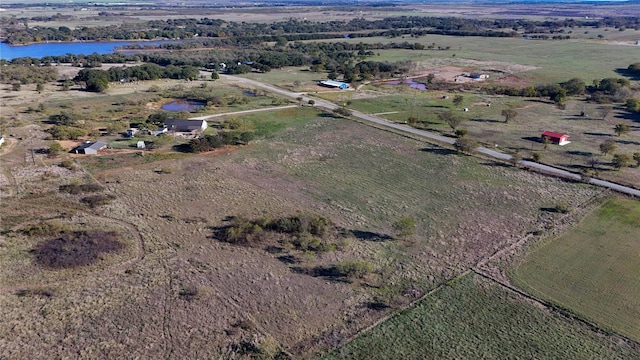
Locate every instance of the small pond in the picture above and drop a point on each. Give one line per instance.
(183, 105)
(410, 82)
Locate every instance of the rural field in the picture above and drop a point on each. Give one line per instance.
(313, 233)
(592, 268)
(473, 318)
(256, 297)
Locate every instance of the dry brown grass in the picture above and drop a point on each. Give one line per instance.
(135, 303)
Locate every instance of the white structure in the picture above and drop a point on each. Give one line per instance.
(90, 148)
(181, 125)
(1, 140)
(141, 144)
(334, 84)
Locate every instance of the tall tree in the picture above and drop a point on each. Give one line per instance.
(607, 147)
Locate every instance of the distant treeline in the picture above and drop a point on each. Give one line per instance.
(19, 33)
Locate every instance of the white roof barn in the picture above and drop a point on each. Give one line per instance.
(90, 148)
(182, 125)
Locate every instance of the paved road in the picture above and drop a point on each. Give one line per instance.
(489, 152)
(207, 117)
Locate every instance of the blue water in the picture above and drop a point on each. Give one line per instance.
(8, 52)
(183, 105)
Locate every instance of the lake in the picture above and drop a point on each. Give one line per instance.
(40, 50)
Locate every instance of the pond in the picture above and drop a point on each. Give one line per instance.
(410, 82)
(183, 105)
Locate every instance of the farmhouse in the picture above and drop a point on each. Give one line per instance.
(334, 84)
(181, 125)
(555, 138)
(90, 148)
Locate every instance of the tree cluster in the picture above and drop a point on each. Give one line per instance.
(210, 142)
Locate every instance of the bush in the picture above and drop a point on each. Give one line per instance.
(98, 200)
(80, 188)
(44, 229)
(189, 293)
(562, 208)
(68, 164)
(354, 268)
(75, 249)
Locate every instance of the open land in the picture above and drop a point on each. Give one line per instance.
(592, 268)
(482, 320)
(163, 282)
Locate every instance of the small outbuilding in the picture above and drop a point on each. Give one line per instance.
(334, 84)
(141, 144)
(90, 148)
(182, 125)
(555, 138)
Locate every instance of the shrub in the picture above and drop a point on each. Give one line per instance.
(189, 293)
(98, 200)
(562, 208)
(75, 249)
(80, 188)
(45, 229)
(68, 164)
(354, 268)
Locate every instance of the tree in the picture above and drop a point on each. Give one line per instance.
(636, 157)
(55, 148)
(457, 100)
(16, 86)
(509, 115)
(621, 160)
(607, 147)
(312, 102)
(39, 87)
(342, 111)
(430, 78)
(464, 145)
(214, 75)
(606, 111)
(405, 226)
(460, 133)
(546, 142)
(536, 156)
(621, 129)
(451, 119)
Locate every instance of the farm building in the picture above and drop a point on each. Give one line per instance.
(90, 148)
(132, 132)
(334, 84)
(478, 76)
(181, 125)
(555, 138)
(140, 145)
(1, 140)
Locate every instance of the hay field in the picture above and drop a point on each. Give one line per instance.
(592, 269)
(473, 318)
(177, 292)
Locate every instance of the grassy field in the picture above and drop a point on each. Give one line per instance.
(555, 60)
(592, 269)
(476, 319)
(305, 161)
(484, 124)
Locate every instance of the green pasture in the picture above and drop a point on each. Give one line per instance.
(473, 318)
(593, 268)
(555, 60)
(486, 125)
(367, 178)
